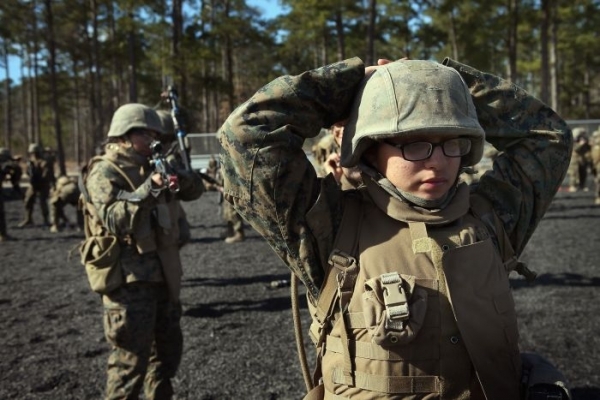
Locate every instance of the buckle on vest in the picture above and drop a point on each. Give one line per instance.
(394, 298)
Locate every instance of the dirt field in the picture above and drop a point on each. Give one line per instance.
(239, 341)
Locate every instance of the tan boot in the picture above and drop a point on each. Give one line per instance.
(54, 228)
(237, 237)
(597, 201)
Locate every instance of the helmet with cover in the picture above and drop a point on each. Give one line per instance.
(408, 98)
(132, 116)
(579, 132)
(34, 148)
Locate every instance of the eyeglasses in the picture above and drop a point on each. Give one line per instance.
(417, 151)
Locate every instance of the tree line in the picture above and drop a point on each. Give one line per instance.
(81, 59)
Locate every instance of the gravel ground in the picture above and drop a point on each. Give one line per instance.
(239, 341)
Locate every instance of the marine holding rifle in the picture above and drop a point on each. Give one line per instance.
(131, 254)
(407, 275)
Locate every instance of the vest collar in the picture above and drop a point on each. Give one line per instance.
(401, 211)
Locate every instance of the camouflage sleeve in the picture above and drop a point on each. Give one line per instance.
(267, 176)
(536, 146)
(104, 186)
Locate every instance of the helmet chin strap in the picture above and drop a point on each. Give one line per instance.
(436, 204)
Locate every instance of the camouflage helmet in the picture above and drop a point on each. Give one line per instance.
(34, 148)
(410, 97)
(166, 121)
(131, 116)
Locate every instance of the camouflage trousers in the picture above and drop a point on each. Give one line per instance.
(29, 201)
(234, 221)
(143, 329)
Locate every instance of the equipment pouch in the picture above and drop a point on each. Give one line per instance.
(394, 308)
(100, 256)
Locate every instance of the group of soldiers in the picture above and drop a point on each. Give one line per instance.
(53, 193)
(584, 160)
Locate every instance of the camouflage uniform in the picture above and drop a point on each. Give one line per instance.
(12, 169)
(595, 154)
(65, 192)
(273, 186)
(41, 179)
(142, 316)
(581, 161)
(324, 147)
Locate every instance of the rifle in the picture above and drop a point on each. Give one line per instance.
(172, 99)
(162, 167)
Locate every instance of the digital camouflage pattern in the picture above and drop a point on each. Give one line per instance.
(273, 185)
(41, 179)
(143, 328)
(65, 192)
(581, 160)
(428, 97)
(141, 318)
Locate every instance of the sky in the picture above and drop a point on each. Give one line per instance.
(269, 8)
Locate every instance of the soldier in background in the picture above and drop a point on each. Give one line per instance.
(41, 179)
(595, 155)
(127, 202)
(65, 192)
(12, 171)
(581, 160)
(347, 178)
(326, 146)
(50, 156)
(6, 162)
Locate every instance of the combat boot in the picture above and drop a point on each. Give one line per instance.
(237, 237)
(597, 201)
(54, 228)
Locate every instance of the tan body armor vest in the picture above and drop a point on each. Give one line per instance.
(427, 313)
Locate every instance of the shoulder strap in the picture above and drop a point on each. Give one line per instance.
(340, 277)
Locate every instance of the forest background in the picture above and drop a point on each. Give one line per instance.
(81, 59)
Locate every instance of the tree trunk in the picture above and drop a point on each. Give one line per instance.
(513, 23)
(131, 46)
(97, 112)
(7, 102)
(341, 38)
(545, 83)
(228, 62)
(554, 93)
(452, 35)
(372, 13)
(54, 88)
